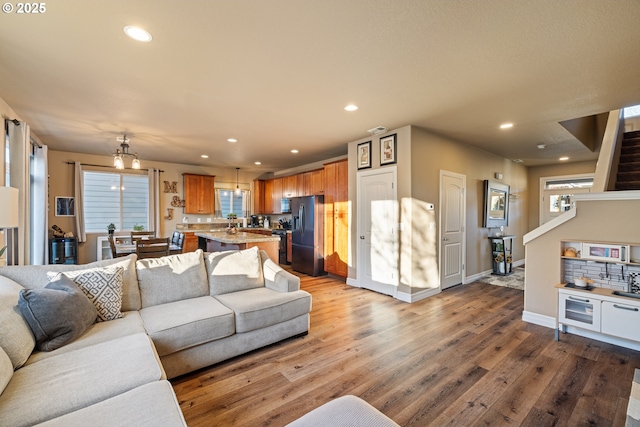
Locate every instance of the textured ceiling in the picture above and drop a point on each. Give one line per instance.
(277, 74)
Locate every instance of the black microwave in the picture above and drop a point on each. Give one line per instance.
(285, 205)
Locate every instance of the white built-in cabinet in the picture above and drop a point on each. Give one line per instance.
(598, 312)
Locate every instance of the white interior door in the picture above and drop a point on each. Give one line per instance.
(452, 228)
(377, 231)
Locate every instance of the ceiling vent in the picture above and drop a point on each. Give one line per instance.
(378, 129)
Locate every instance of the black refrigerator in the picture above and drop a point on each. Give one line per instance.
(307, 235)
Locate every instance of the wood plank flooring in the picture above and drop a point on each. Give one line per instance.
(461, 358)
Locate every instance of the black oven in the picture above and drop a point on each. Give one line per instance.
(282, 250)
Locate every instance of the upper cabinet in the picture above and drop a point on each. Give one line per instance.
(268, 193)
(258, 195)
(290, 186)
(313, 183)
(198, 194)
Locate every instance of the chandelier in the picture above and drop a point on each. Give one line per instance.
(122, 152)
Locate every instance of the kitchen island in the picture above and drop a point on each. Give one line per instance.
(218, 241)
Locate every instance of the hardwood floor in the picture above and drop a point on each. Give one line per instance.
(461, 358)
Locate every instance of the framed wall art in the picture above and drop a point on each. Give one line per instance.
(364, 155)
(388, 148)
(65, 206)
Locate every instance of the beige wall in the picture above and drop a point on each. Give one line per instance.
(421, 156)
(61, 184)
(533, 177)
(605, 221)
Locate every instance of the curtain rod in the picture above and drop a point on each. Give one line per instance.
(111, 167)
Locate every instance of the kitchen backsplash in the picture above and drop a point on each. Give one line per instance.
(604, 275)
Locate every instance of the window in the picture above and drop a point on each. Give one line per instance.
(231, 202)
(118, 198)
(631, 112)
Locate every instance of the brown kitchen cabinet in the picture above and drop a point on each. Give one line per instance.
(258, 196)
(198, 194)
(276, 195)
(190, 243)
(290, 186)
(336, 222)
(268, 197)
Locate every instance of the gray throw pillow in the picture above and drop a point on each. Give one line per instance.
(57, 314)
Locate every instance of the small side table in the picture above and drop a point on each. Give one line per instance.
(502, 254)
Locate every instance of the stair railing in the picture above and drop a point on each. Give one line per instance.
(607, 166)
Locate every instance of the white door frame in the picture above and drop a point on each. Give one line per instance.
(359, 175)
(463, 256)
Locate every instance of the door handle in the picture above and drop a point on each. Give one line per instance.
(625, 308)
(444, 239)
(362, 237)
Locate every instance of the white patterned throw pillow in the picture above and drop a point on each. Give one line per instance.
(103, 287)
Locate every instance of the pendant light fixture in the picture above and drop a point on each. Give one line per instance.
(238, 191)
(122, 152)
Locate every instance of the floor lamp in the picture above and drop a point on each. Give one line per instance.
(9, 221)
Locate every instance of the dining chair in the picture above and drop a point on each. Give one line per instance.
(114, 249)
(137, 235)
(152, 248)
(177, 240)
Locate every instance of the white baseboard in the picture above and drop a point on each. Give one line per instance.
(539, 319)
(473, 278)
(405, 297)
(353, 282)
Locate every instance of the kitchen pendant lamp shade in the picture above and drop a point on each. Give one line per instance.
(9, 216)
(122, 152)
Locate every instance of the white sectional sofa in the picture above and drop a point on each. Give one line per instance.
(177, 314)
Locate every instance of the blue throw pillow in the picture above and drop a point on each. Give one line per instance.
(57, 314)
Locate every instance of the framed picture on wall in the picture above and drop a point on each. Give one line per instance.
(364, 155)
(65, 206)
(388, 146)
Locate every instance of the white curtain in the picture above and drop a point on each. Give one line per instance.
(39, 207)
(78, 189)
(217, 205)
(154, 201)
(20, 153)
(245, 204)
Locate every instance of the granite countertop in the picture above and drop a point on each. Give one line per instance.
(240, 237)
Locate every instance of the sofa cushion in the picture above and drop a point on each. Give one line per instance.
(103, 287)
(172, 278)
(261, 307)
(150, 405)
(68, 382)
(130, 324)
(232, 271)
(57, 314)
(16, 337)
(6, 370)
(35, 276)
(182, 324)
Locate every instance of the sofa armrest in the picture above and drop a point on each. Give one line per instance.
(277, 278)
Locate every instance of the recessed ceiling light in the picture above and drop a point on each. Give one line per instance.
(137, 33)
(204, 156)
(506, 126)
(232, 140)
(257, 163)
(562, 159)
(294, 151)
(351, 107)
(518, 161)
(542, 146)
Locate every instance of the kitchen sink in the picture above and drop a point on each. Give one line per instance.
(626, 294)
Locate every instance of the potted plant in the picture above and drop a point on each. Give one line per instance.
(111, 228)
(137, 227)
